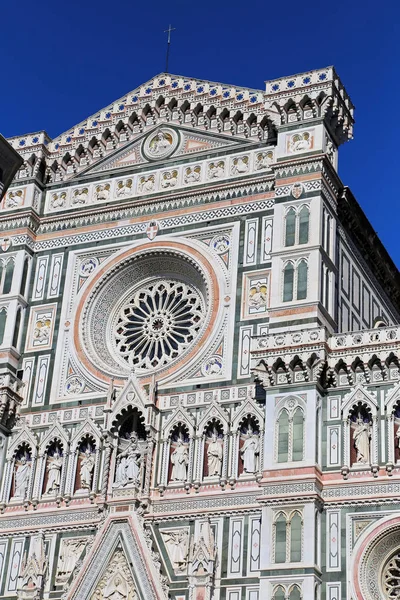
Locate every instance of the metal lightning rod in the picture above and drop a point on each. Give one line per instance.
(168, 45)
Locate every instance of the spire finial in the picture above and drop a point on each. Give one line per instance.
(170, 28)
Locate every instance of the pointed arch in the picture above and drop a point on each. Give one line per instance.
(125, 533)
(280, 533)
(304, 224)
(302, 279)
(288, 282)
(9, 274)
(290, 227)
(3, 323)
(17, 328)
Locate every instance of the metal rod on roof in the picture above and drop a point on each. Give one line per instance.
(168, 45)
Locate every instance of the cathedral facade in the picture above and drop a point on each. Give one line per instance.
(200, 387)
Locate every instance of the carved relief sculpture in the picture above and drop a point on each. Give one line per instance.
(177, 543)
(14, 199)
(117, 582)
(216, 170)
(70, 552)
(146, 184)
(192, 174)
(103, 192)
(124, 188)
(240, 165)
(58, 200)
(258, 296)
(80, 196)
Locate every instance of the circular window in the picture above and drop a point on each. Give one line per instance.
(158, 323)
(391, 577)
(147, 312)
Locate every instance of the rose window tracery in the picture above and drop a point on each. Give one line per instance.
(147, 312)
(158, 323)
(391, 577)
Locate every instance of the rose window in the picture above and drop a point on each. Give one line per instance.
(158, 323)
(147, 312)
(391, 577)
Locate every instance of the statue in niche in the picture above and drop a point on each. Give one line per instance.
(180, 461)
(54, 464)
(214, 455)
(22, 474)
(87, 468)
(177, 543)
(362, 437)
(250, 450)
(70, 552)
(128, 462)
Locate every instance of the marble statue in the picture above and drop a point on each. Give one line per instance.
(128, 463)
(180, 460)
(249, 451)
(86, 470)
(54, 465)
(362, 436)
(214, 456)
(22, 474)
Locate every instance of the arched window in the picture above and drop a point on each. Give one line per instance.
(288, 281)
(288, 531)
(280, 539)
(298, 434)
(283, 437)
(302, 273)
(17, 328)
(279, 593)
(304, 220)
(24, 276)
(8, 277)
(3, 321)
(290, 227)
(295, 593)
(295, 538)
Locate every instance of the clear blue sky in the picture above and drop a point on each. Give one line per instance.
(63, 61)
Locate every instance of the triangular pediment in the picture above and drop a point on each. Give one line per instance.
(132, 395)
(119, 562)
(184, 142)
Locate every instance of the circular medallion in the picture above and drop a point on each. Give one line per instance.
(160, 144)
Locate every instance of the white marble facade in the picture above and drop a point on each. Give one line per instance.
(185, 412)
